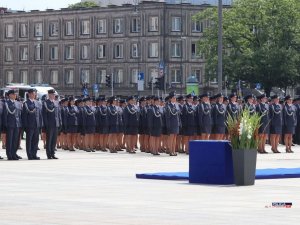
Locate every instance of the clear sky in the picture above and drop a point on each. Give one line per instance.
(36, 4)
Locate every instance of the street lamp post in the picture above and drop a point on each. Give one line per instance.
(220, 45)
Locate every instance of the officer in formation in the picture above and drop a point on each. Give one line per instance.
(161, 126)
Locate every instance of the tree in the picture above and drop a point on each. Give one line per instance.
(87, 4)
(261, 42)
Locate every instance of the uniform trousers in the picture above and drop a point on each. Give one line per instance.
(51, 138)
(12, 142)
(32, 140)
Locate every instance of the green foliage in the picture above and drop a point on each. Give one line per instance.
(243, 130)
(261, 42)
(83, 5)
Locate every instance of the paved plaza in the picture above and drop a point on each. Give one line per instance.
(101, 188)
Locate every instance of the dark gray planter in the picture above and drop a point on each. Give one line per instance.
(244, 166)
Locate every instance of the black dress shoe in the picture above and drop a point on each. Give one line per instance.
(49, 157)
(14, 158)
(1, 158)
(19, 157)
(36, 158)
(54, 157)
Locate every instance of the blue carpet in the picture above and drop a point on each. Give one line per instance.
(278, 173)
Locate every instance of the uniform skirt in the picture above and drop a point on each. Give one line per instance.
(71, 129)
(264, 129)
(102, 130)
(276, 130)
(219, 129)
(289, 129)
(89, 129)
(205, 129)
(188, 131)
(113, 129)
(131, 130)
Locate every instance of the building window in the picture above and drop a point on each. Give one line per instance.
(197, 26)
(153, 23)
(135, 50)
(85, 52)
(23, 53)
(198, 73)
(176, 76)
(8, 54)
(135, 25)
(134, 76)
(38, 78)
(54, 77)
(69, 52)
(9, 30)
(23, 30)
(9, 76)
(153, 50)
(118, 76)
(38, 53)
(38, 29)
(176, 23)
(117, 26)
(195, 52)
(24, 76)
(69, 28)
(118, 51)
(69, 76)
(85, 76)
(85, 27)
(176, 49)
(101, 28)
(101, 51)
(101, 76)
(53, 29)
(53, 52)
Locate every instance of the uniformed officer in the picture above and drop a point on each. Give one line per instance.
(52, 122)
(219, 117)
(233, 109)
(276, 123)
(188, 122)
(113, 124)
(89, 124)
(131, 124)
(179, 138)
(11, 119)
(172, 123)
(262, 109)
(142, 103)
(79, 140)
(32, 122)
(289, 123)
(155, 125)
(249, 104)
(102, 123)
(71, 123)
(204, 117)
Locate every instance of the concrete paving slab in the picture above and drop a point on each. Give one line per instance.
(101, 188)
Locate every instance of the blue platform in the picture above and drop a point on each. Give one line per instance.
(210, 162)
(277, 173)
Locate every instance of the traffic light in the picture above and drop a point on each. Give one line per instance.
(159, 83)
(108, 80)
(150, 84)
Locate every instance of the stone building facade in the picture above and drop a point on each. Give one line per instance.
(67, 48)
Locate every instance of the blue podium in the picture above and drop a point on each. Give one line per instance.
(210, 162)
